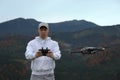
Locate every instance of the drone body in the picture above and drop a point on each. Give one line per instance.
(89, 50)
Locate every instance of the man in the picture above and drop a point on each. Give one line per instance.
(42, 65)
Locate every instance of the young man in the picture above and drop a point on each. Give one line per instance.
(42, 62)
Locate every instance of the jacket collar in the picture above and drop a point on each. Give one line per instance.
(38, 37)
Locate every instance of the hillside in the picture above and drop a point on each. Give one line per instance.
(101, 65)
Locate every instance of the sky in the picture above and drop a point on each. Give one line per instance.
(101, 12)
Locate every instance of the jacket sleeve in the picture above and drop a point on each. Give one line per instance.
(29, 54)
(56, 51)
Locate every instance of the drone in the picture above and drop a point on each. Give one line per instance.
(89, 50)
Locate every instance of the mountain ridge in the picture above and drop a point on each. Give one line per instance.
(29, 26)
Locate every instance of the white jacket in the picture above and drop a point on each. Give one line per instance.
(42, 65)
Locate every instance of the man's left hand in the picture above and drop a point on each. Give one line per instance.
(50, 54)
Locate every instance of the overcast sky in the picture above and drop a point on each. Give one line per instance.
(102, 12)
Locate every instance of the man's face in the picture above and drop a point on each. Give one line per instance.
(43, 32)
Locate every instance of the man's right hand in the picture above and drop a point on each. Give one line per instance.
(38, 54)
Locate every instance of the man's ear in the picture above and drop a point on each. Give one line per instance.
(38, 30)
(48, 29)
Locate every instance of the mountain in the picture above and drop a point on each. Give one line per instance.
(29, 26)
(101, 66)
(19, 26)
(92, 36)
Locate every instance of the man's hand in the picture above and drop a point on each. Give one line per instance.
(50, 54)
(38, 54)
